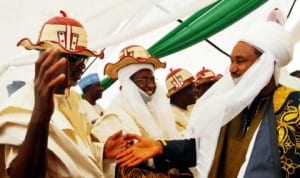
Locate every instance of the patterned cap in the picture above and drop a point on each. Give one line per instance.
(177, 79)
(64, 33)
(133, 54)
(206, 76)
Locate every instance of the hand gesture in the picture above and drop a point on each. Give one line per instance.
(45, 82)
(142, 150)
(34, 147)
(114, 144)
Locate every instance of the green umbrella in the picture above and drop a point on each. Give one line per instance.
(200, 26)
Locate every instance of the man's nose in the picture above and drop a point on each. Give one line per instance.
(150, 83)
(233, 68)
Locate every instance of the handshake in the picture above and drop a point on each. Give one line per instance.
(131, 149)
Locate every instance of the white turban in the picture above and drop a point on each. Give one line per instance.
(225, 99)
(273, 38)
(156, 116)
(127, 71)
(276, 40)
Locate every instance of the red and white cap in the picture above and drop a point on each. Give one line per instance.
(177, 79)
(206, 76)
(133, 54)
(64, 33)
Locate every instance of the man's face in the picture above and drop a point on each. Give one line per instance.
(242, 57)
(94, 91)
(145, 80)
(187, 95)
(202, 88)
(76, 66)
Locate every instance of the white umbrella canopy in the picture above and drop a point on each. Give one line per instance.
(108, 24)
(115, 24)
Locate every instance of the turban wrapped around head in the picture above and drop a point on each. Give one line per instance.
(209, 116)
(271, 37)
(126, 72)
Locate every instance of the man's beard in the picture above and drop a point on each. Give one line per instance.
(236, 80)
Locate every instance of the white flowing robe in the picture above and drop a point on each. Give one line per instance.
(71, 152)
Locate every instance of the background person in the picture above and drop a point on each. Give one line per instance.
(183, 95)
(204, 79)
(92, 91)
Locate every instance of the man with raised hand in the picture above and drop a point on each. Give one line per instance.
(42, 131)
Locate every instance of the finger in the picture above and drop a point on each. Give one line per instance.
(126, 152)
(122, 145)
(122, 148)
(133, 161)
(40, 61)
(130, 136)
(47, 61)
(51, 78)
(116, 135)
(125, 158)
(56, 81)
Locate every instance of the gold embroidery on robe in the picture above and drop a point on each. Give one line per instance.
(286, 106)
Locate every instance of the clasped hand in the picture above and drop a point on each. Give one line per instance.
(137, 150)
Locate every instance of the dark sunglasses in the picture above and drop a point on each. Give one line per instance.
(75, 58)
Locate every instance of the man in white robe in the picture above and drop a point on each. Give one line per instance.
(267, 144)
(43, 134)
(141, 105)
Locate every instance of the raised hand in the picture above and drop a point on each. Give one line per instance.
(45, 82)
(31, 160)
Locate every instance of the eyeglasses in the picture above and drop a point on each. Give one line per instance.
(75, 58)
(144, 81)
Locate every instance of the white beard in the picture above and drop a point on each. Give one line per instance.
(236, 80)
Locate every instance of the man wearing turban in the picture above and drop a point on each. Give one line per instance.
(141, 105)
(247, 124)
